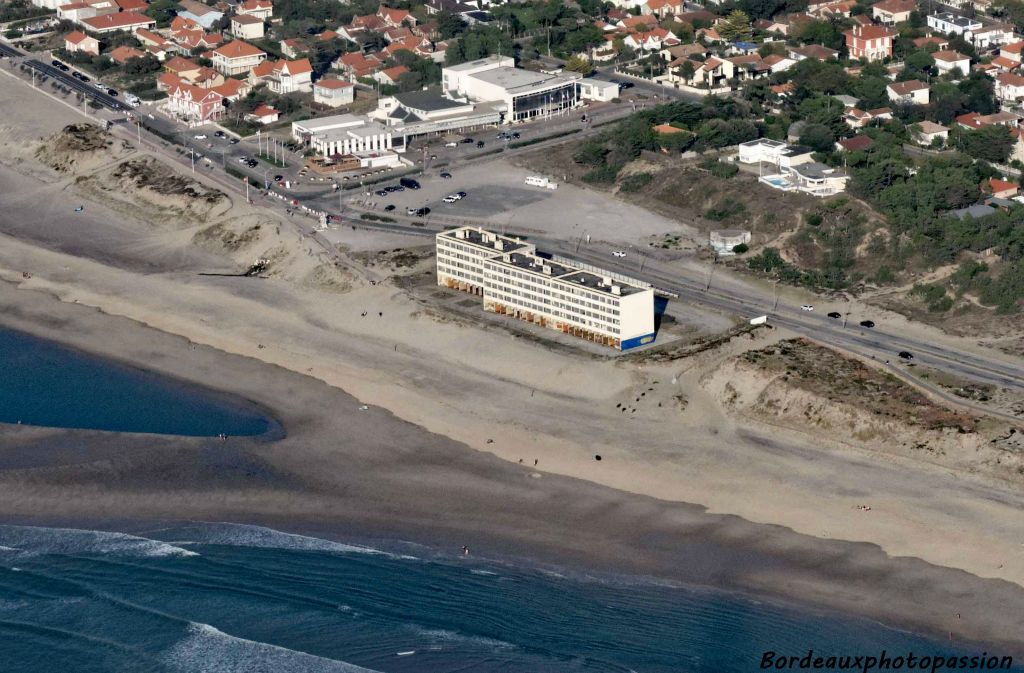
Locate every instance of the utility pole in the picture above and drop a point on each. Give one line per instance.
(775, 291)
(711, 272)
(193, 160)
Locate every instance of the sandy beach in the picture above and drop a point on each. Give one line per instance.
(684, 494)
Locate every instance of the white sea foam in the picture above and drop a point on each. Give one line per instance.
(246, 535)
(446, 636)
(36, 541)
(207, 649)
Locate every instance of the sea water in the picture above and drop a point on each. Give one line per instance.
(43, 383)
(222, 598)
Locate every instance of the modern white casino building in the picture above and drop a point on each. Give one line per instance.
(514, 280)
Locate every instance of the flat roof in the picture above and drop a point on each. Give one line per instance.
(512, 79)
(484, 239)
(430, 100)
(478, 63)
(592, 281)
(328, 123)
(533, 263)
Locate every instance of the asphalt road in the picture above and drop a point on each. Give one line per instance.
(65, 78)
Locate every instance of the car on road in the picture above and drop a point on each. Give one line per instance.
(835, 315)
(388, 208)
(906, 355)
(806, 307)
(479, 143)
(867, 323)
(446, 175)
(619, 253)
(451, 143)
(467, 141)
(200, 136)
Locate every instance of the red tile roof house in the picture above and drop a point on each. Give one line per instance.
(1001, 189)
(355, 65)
(395, 17)
(261, 9)
(1009, 86)
(263, 114)
(111, 23)
(891, 12)
(855, 144)
(284, 76)
(871, 43)
(195, 104)
(911, 91)
(333, 92)
(123, 54)
(79, 41)
(391, 75)
(237, 58)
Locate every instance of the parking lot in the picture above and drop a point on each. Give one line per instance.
(497, 196)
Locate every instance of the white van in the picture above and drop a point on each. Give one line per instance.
(540, 181)
(451, 143)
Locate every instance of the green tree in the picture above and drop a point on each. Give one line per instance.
(450, 25)
(990, 143)
(818, 137)
(735, 26)
(580, 65)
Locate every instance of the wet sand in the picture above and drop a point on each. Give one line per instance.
(341, 472)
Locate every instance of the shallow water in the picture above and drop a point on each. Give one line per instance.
(43, 383)
(225, 598)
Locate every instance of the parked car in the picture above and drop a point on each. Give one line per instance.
(409, 183)
(411, 211)
(422, 212)
(56, 63)
(451, 198)
(515, 135)
(253, 163)
(278, 178)
(243, 160)
(626, 85)
(233, 141)
(618, 253)
(200, 136)
(867, 323)
(388, 208)
(468, 141)
(451, 143)
(381, 192)
(806, 307)
(446, 175)
(111, 92)
(835, 315)
(219, 134)
(906, 355)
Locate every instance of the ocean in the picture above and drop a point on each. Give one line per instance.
(44, 383)
(226, 598)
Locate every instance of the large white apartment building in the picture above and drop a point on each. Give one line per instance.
(526, 94)
(514, 280)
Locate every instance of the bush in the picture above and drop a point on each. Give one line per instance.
(719, 169)
(930, 293)
(813, 219)
(942, 305)
(725, 210)
(741, 248)
(636, 182)
(884, 276)
(602, 174)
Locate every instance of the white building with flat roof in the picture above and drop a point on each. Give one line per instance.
(343, 134)
(526, 94)
(514, 280)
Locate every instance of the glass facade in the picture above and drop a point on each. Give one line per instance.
(544, 103)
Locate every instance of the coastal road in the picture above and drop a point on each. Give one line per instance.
(45, 69)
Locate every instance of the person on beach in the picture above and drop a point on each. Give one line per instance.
(465, 550)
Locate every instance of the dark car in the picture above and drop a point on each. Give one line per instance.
(112, 92)
(835, 316)
(906, 355)
(867, 323)
(63, 68)
(253, 163)
(626, 85)
(461, 195)
(219, 134)
(389, 207)
(381, 192)
(56, 63)
(76, 75)
(278, 178)
(409, 183)
(422, 212)
(479, 143)
(446, 175)
(233, 141)
(515, 135)
(468, 141)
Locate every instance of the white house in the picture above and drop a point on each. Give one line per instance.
(284, 76)
(1009, 86)
(948, 22)
(237, 58)
(773, 152)
(926, 132)
(890, 12)
(948, 60)
(913, 92)
(247, 27)
(333, 92)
